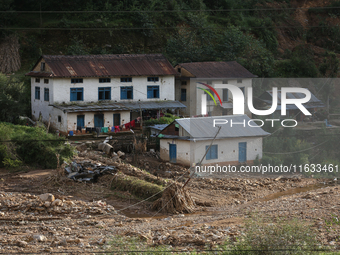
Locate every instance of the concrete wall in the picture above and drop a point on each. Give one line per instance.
(193, 102)
(210, 104)
(192, 152)
(59, 90)
(89, 118)
(166, 88)
(183, 150)
(178, 87)
(39, 106)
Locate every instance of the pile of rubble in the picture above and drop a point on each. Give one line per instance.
(49, 204)
(88, 171)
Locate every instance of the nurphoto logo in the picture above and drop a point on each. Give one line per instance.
(238, 103)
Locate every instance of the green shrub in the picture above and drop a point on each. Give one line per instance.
(32, 146)
(138, 187)
(278, 237)
(167, 119)
(123, 243)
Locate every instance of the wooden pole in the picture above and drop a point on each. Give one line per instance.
(204, 155)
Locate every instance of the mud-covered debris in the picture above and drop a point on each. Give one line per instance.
(175, 199)
(87, 171)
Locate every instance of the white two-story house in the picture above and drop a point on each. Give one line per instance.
(190, 86)
(84, 92)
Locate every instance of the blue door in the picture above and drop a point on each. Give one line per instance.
(80, 121)
(242, 152)
(99, 120)
(172, 153)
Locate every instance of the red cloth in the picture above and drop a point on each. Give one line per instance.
(133, 124)
(117, 129)
(127, 125)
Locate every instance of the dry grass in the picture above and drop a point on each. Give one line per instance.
(175, 200)
(136, 186)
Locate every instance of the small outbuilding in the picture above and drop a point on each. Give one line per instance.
(186, 140)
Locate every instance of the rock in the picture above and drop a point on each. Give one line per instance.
(40, 238)
(2, 214)
(62, 243)
(102, 241)
(121, 154)
(21, 243)
(81, 147)
(57, 202)
(47, 197)
(278, 178)
(83, 154)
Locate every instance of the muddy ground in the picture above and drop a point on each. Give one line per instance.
(86, 217)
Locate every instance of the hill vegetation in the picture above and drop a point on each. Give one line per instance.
(269, 38)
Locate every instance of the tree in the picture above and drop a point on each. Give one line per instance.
(329, 68)
(14, 98)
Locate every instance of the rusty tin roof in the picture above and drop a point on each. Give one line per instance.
(119, 106)
(216, 69)
(106, 65)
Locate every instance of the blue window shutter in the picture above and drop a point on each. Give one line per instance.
(208, 156)
(123, 93)
(131, 92)
(109, 90)
(73, 95)
(214, 151)
(149, 92)
(157, 91)
(37, 93)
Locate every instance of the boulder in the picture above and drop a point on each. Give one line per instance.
(47, 197)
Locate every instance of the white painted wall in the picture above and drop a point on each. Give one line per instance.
(63, 85)
(39, 105)
(193, 102)
(228, 150)
(210, 104)
(183, 150)
(61, 126)
(59, 89)
(89, 118)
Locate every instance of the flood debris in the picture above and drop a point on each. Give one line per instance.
(105, 147)
(175, 199)
(88, 171)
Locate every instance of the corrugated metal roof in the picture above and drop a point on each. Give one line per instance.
(314, 102)
(162, 104)
(119, 106)
(91, 107)
(203, 128)
(39, 74)
(159, 126)
(107, 65)
(230, 69)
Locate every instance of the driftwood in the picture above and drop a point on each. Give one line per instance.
(9, 54)
(175, 199)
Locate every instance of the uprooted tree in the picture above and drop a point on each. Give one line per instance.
(175, 199)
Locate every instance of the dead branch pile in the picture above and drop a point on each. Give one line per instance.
(175, 200)
(9, 54)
